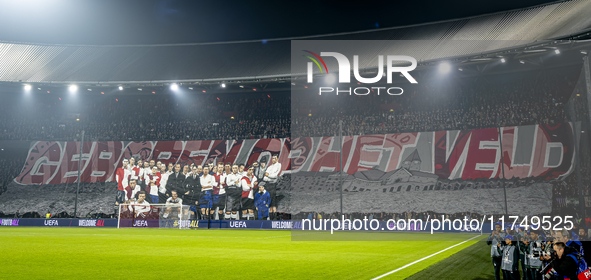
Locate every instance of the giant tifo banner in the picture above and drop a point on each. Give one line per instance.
(544, 151)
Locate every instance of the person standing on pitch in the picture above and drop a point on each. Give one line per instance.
(532, 250)
(261, 201)
(510, 262)
(228, 169)
(270, 179)
(131, 163)
(211, 165)
(143, 175)
(153, 184)
(219, 192)
(186, 170)
(163, 179)
(136, 171)
(191, 191)
(258, 172)
(248, 183)
(233, 193)
(122, 177)
(495, 238)
(175, 181)
(205, 201)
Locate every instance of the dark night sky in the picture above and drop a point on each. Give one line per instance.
(176, 21)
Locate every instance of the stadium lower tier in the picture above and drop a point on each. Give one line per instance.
(531, 199)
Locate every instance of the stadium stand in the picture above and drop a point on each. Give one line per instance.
(146, 117)
(469, 103)
(537, 97)
(9, 169)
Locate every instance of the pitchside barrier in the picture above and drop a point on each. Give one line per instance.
(147, 223)
(59, 222)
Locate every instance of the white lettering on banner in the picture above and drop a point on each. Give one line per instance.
(50, 223)
(39, 163)
(491, 145)
(281, 224)
(7, 222)
(140, 223)
(186, 224)
(237, 224)
(457, 157)
(87, 223)
(97, 173)
(164, 155)
(556, 146)
(76, 157)
(199, 153)
(71, 174)
(106, 155)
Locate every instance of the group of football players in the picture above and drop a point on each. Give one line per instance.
(211, 191)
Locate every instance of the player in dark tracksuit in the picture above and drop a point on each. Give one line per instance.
(262, 199)
(191, 192)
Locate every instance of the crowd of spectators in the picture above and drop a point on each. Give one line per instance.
(455, 104)
(460, 103)
(145, 117)
(9, 169)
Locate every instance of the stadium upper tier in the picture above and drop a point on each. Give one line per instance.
(267, 59)
(514, 98)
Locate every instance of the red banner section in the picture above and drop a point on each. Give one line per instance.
(542, 151)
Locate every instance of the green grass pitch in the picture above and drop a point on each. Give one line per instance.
(102, 253)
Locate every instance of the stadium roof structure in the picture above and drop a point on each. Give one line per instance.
(269, 60)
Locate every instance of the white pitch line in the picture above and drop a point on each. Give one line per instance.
(401, 268)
